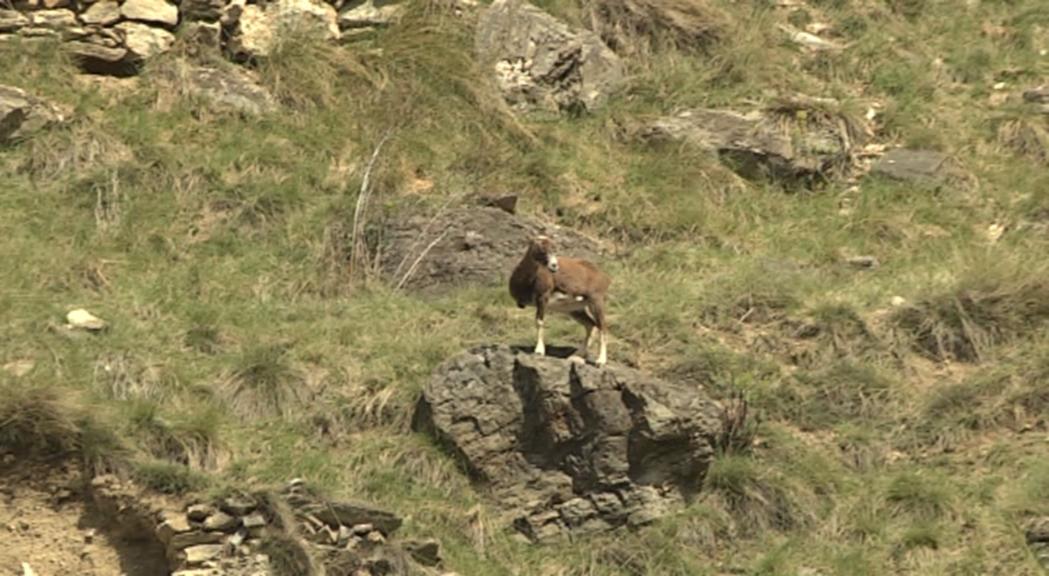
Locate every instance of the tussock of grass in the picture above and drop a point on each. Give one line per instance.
(841, 393)
(636, 27)
(43, 420)
(993, 302)
(265, 382)
(167, 477)
(927, 496)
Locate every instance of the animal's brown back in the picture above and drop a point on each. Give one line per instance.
(578, 276)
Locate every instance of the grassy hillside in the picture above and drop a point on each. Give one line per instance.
(902, 439)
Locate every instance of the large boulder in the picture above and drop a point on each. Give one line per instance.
(469, 246)
(144, 41)
(763, 143)
(369, 13)
(541, 63)
(568, 447)
(259, 27)
(22, 114)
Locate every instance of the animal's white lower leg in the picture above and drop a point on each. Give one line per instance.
(540, 347)
(602, 357)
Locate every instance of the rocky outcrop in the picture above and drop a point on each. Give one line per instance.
(115, 37)
(468, 246)
(540, 63)
(567, 447)
(21, 114)
(773, 143)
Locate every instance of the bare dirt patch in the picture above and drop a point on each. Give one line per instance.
(47, 523)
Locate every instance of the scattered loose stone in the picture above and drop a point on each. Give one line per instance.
(363, 529)
(253, 521)
(221, 522)
(202, 553)
(376, 537)
(239, 505)
(19, 368)
(199, 512)
(425, 552)
(195, 538)
(863, 262)
(84, 320)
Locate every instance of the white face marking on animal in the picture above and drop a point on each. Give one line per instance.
(542, 249)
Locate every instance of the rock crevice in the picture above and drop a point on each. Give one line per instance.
(567, 447)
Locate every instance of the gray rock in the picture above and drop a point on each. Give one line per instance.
(475, 246)
(144, 41)
(22, 114)
(1039, 95)
(209, 10)
(335, 514)
(53, 19)
(758, 144)
(194, 538)
(369, 13)
(196, 555)
(97, 55)
(12, 21)
(203, 34)
(227, 89)
(915, 166)
(1037, 530)
(199, 512)
(238, 505)
(258, 27)
(541, 63)
(150, 11)
(171, 526)
(863, 262)
(425, 552)
(253, 521)
(570, 448)
(221, 522)
(103, 13)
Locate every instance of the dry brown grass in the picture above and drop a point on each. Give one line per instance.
(637, 27)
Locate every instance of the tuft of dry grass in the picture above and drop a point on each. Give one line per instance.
(638, 27)
(40, 419)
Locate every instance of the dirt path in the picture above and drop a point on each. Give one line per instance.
(45, 524)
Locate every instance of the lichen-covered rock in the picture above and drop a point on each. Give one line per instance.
(22, 114)
(760, 144)
(569, 447)
(259, 27)
(541, 63)
(227, 89)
